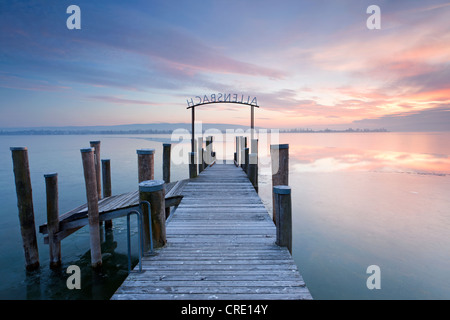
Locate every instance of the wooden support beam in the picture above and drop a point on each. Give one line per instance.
(90, 179)
(153, 192)
(166, 162)
(253, 170)
(242, 151)
(51, 187)
(146, 164)
(200, 154)
(192, 165)
(254, 160)
(283, 216)
(166, 169)
(246, 160)
(107, 190)
(208, 151)
(96, 146)
(238, 150)
(25, 205)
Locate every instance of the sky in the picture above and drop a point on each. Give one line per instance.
(310, 64)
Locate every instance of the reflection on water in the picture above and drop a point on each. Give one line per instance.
(358, 199)
(331, 159)
(367, 199)
(51, 284)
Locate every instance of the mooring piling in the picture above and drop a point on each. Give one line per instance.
(90, 178)
(243, 146)
(146, 164)
(166, 162)
(107, 190)
(200, 154)
(246, 160)
(283, 216)
(237, 152)
(192, 165)
(51, 187)
(166, 167)
(254, 150)
(25, 205)
(208, 151)
(96, 146)
(154, 224)
(252, 172)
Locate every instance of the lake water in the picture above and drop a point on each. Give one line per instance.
(359, 199)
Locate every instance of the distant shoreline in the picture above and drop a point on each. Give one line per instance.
(106, 132)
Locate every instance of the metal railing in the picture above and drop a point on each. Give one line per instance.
(140, 234)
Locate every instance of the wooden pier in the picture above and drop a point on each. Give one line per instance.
(221, 244)
(218, 241)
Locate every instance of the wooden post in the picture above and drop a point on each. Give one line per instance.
(51, 187)
(153, 192)
(238, 150)
(166, 168)
(25, 205)
(107, 190)
(98, 168)
(193, 130)
(211, 138)
(283, 216)
(87, 156)
(203, 159)
(242, 151)
(195, 150)
(192, 165)
(252, 122)
(246, 160)
(208, 151)
(200, 154)
(146, 164)
(213, 153)
(280, 169)
(254, 150)
(253, 170)
(166, 162)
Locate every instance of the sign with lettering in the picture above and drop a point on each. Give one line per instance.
(222, 98)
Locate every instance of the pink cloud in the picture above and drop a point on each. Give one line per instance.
(117, 100)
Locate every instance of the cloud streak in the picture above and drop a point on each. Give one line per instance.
(308, 63)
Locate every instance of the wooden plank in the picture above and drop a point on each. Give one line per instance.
(77, 218)
(224, 296)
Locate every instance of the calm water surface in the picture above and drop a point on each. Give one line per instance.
(359, 199)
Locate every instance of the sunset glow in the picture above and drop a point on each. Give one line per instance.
(310, 64)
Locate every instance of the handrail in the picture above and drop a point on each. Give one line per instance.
(149, 225)
(140, 234)
(129, 239)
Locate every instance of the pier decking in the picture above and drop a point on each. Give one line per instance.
(220, 245)
(110, 208)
